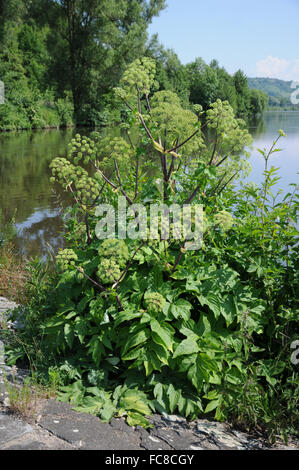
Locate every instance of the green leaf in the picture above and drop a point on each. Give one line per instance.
(161, 335)
(212, 405)
(201, 370)
(181, 309)
(66, 307)
(90, 405)
(228, 309)
(158, 391)
(69, 334)
(96, 349)
(108, 411)
(173, 397)
(82, 304)
(81, 328)
(213, 302)
(136, 339)
(234, 376)
(153, 360)
(126, 315)
(160, 351)
(133, 354)
(204, 325)
(187, 346)
(56, 320)
(71, 315)
(136, 401)
(211, 395)
(136, 419)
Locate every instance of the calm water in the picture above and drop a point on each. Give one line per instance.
(24, 176)
(264, 132)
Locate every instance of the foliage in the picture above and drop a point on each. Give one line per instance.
(139, 325)
(211, 82)
(60, 60)
(96, 40)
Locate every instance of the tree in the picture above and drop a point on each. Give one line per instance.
(258, 101)
(96, 39)
(204, 83)
(171, 73)
(242, 90)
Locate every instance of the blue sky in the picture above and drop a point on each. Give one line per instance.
(261, 37)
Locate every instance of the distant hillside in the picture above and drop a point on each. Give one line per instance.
(279, 91)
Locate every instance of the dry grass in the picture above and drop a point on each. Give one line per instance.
(13, 274)
(24, 398)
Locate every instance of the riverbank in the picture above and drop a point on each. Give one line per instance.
(46, 127)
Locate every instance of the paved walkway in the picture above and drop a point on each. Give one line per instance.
(56, 426)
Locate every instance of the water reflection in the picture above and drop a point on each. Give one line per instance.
(257, 125)
(24, 176)
(288, 159)
(25, 188)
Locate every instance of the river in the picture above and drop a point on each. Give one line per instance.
(24, 176)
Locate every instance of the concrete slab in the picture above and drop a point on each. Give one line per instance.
(12, 428)
(84, 431)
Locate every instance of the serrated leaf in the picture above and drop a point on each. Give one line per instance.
(136, 401)
(137, 419)
(213, 302)
(96, 349)
(81, 328)
(212, 405)
(181, 309)
(108, 411)
(90, 405)
(173, 397)
(160, 351)
(186, 347)
(161, 335)
(69, 334)
(136, 339)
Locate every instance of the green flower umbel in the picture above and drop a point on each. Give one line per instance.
(116, 249)
(154, 302)
(224, 220)
(66, 258)
(108, 271)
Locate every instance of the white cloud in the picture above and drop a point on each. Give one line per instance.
(273, 67)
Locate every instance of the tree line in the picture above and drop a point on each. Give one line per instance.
(59, 61)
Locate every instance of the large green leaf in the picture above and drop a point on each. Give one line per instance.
(173, 397)
(69, 334)
(96, 349)
(136, 339)
(212, 301)
(212, 405)
(161, 335)
(187, 346)
(181, 309)
(91, 405)
(136, 401)
(137, 419)
(81, 328)
(108, 411)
